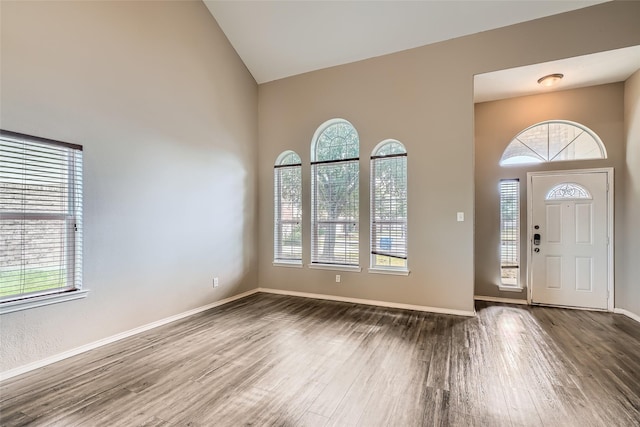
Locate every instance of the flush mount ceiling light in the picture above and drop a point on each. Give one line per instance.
(550, 79)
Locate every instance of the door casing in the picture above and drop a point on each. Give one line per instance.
(610, 218)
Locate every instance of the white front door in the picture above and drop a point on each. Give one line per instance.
(569, 239)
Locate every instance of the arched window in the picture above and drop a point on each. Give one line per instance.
(568, 191)
(553, 141)
(287, 195)
(389, 206)
(334, 194)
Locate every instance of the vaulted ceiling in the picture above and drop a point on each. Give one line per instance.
(278, 39)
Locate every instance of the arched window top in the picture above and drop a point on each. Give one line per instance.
(288, 158)
(568, 190)
(335, 139)
(553, 141)
(387, 148)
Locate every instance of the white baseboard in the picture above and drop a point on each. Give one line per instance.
(108, 340)
(369, 302)
(499, 299)
(627, 313)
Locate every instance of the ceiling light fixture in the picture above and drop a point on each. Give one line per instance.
(550, 79)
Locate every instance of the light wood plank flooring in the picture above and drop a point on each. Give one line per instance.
(286, 361)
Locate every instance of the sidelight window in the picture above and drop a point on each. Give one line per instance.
(510, 232)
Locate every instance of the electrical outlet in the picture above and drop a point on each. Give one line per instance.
(215, 282)
(337, 278)
(460, 216)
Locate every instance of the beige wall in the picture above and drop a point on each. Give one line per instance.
(424, 98)
(628, 281)
(600, 108)
(167, 114)
(383, 98)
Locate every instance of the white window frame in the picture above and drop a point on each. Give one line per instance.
(278, 222)
(374, 253)
(72, 218)
(316, 261)
(510, 285)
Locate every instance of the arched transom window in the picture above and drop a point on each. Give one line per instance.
(553, 141)
(568, 191)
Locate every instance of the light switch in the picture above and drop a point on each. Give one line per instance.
(460, 216)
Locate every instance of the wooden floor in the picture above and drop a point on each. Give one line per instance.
(286, 361)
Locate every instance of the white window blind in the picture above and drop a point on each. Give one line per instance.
(389, 206)
(40, 217)
(287, 190)
(335, 194)
(509, 231)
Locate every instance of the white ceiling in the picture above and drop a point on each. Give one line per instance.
(581, 71)
(278, 39)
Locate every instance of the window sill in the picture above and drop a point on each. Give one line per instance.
(39, 301)
(292, 264)
(389, 271)
(354, 268)
(510, 288)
